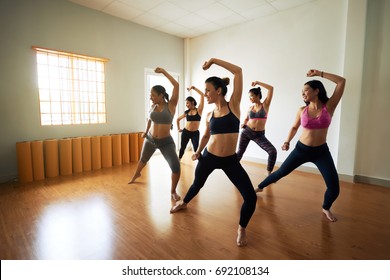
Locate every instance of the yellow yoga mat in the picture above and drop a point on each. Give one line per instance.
(95, 152)
(133, 147)
(38, 163)
(66, 156)
(77, 155)
(86, 153)
(25, 170)
(106, 149)
(125, 148)
(140, 143)
(50, 151)
(116, 149)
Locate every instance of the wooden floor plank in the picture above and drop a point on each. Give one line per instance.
(97, 215)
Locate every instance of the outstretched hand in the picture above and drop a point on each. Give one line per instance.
(195, 156)
(313, 72)
(207, 64)
(159, 70)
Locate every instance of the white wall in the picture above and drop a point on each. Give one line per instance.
(373, 153)
(66, 26)
(278, 50)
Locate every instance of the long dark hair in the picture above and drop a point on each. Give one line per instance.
(256, 91)
(219, 83)
(322, 96)
(161, 90)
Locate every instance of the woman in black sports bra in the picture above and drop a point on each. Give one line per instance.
(193, 116)
(220, 136)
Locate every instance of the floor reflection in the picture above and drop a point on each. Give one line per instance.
(81, 229)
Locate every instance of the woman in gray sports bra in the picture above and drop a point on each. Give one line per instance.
(157, 134)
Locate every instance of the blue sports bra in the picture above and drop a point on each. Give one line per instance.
(226, 124)
(163, 117)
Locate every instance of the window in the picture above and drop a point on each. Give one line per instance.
(71, 88)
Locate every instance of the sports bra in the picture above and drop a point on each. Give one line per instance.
(163, 117)
(320, 122)
(192, 118)
(260, 115)
(226, 124)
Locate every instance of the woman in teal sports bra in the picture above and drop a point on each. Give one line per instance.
(315, 119)
(220, 136)
(158, 131)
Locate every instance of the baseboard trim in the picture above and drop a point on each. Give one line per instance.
(371, 181)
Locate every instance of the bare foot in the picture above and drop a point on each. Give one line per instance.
(241, 237)
(180, 205)
(258, 190)
(175, 196)
(136, 175)
(329, 215)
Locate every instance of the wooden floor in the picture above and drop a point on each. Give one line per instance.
(97, 215)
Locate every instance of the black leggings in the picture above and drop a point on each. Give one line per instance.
(237, 175)
(322, 158)
(186, 135)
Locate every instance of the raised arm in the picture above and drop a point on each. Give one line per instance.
(270, 93)
(293, 130)
(201, 102)
(175, 92)
(338, 91)
(235, 99)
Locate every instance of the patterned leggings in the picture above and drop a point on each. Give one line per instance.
(259, 138)
(231, 166)
(186, 135)
(322, 158)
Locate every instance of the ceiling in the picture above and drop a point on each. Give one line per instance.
(190, 18)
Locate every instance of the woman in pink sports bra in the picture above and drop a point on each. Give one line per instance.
(315, 119)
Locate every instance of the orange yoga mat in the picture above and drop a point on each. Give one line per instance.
(25, 170)
(140, 143)
(134, 156)
(86, 150)
(116, 149)
(66, 156)
(77, 155)
(125, 148)
(50, 151)
(106, 149)
(37, 160)
(95, 152)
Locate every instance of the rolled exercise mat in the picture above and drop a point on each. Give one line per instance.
(87, 155)
(140, 143)
(37, 160)
(95, 152)
(125, 148)
(65, 156)
(116, 149)
(25, 170)
(106, 149)
(133, 139)
(50, 151)
(77, 155)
